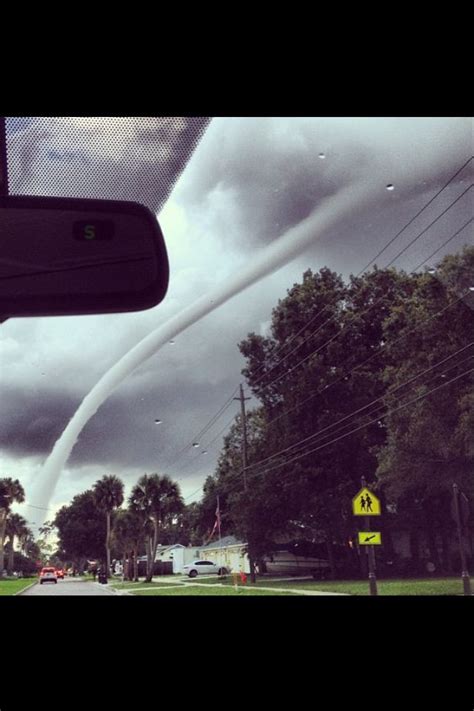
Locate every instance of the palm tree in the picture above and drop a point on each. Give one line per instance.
(15, 528)
(121, 539)
(158, 500)
(128, 534)
(27, 542)
(108, 495)
(10, 491)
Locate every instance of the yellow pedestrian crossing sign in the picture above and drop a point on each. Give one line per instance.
(365, 503)
(370, 538)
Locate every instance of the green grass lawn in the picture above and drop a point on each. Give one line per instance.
(425, 586)
(10, 587)
(225, 586)
(190, 590)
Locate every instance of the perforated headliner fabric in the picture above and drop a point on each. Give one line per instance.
(112, 158)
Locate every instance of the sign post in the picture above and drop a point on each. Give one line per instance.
(457, 512)
(366, 504)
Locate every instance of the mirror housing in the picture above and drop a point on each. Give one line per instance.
(68, 256)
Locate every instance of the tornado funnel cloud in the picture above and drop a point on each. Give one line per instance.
(269, 259)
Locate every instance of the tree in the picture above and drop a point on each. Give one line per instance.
(158, 500)
(15, 528)
(429, 444)
(81, 530)
(308, 375)
(127, 535)
(108, 495)
(10, 491)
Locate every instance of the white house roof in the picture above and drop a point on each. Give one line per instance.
(223, 543)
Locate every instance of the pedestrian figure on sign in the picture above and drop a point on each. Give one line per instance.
(362, 503)
(368, 501)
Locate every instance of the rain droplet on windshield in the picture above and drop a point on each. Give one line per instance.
(172, 342)
(196, 444)
(390, 187)
(322, 156)
(157, 422)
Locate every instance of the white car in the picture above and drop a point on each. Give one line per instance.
(203, 567)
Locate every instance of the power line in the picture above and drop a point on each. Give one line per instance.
(206, 446)
(190, 495)
(443, 244)
(417, 215)
(364, 362)
(364, 407)
(377, 419)
(375, 303)
(362, 270)
(201, 432)
(346, 375)
(378, 409)
(291, 339)
(430, 225)
(357, 429)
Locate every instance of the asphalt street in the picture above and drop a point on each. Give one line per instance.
(69, 586)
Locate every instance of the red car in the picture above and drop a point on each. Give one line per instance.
(60, 573)
(48, 575)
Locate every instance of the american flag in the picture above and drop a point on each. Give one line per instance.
(217, 523)
(218, 516)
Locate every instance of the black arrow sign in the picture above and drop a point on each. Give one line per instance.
(369, 538)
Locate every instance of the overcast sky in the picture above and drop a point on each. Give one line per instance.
(247, 183)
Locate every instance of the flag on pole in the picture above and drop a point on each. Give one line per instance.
(217, 523)
(218, 518)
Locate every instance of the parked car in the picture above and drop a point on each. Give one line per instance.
(203, 567)
(48, 575)
(60, 573)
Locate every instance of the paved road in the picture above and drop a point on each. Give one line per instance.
(69, 586)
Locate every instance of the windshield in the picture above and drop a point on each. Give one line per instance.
(301, 401)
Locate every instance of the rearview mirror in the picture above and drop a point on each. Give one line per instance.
(64, 256)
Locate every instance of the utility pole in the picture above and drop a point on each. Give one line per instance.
(370, 553)
(244, 465)
(466, 581)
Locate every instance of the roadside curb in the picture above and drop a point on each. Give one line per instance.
(20, 592)
(114, 591)
(107, 588)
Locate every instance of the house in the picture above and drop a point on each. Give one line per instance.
(228, 552)
(177, 555)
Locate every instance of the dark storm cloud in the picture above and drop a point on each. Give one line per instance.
(122, 433)
(125, 434)
(274, 173)
(32, 420)
(117, 158)
(183, 388)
